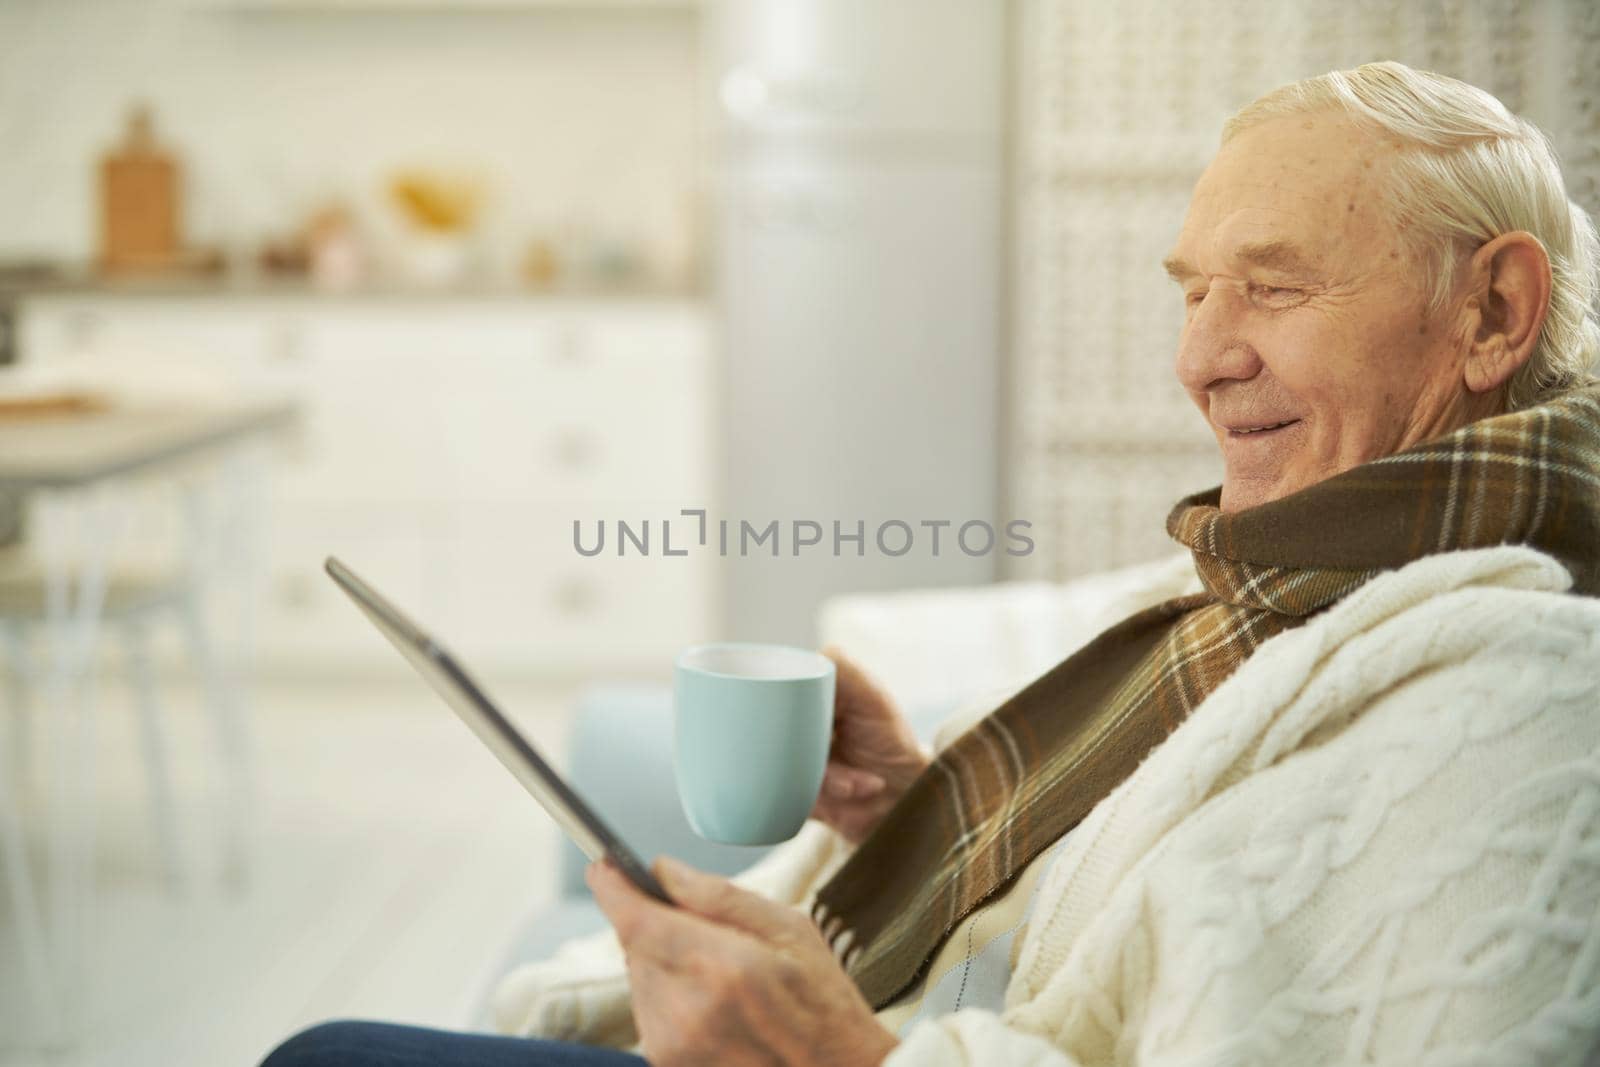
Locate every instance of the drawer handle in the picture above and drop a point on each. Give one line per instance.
(576, 450)
(294, 592)
(576, 597)
(288, 342)
(571, 348)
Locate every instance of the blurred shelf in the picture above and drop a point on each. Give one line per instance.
(303, 289)
(442, 7)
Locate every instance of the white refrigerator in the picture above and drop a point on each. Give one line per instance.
(857, 152)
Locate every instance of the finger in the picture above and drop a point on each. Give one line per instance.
(651, 933)
(642, 923)
(842, 782)
(724, 903)
(619, 901)
(852, 681)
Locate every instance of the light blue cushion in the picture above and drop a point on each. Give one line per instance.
(568, 918)
(620, 760)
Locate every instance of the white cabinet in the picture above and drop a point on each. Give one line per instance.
(446, 448)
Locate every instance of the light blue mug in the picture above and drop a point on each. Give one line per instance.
(751, 731)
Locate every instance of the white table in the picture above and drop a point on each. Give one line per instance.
(74, 468)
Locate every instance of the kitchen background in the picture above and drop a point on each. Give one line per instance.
(509, 264)
(577, 123)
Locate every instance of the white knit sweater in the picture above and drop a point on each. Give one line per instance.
(1378, 842)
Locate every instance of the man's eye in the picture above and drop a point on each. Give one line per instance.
(1275, 294)
(1193, 299)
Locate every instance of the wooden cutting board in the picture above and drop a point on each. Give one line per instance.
(139, 202)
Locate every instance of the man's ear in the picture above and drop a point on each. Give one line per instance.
(1508, 297)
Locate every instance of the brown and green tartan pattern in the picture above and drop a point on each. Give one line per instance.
(1033, 768)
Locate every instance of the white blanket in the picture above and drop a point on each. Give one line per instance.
(1378, 842)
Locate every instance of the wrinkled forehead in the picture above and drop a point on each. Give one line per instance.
(1314, 183)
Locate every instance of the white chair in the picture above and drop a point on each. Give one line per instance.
(37, 975)
(132, 608)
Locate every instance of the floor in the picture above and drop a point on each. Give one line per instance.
(394, 860)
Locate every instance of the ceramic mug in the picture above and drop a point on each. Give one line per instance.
(752, 724)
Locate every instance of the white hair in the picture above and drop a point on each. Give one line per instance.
(1469, 172)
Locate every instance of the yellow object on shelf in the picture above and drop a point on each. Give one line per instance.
(436, 202)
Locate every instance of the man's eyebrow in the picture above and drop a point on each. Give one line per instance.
(1274, 255)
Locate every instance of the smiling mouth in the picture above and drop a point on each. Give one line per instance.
(1262, 431)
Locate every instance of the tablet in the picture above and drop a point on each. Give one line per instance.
(441, 670)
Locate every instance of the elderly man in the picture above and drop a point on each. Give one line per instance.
(1341, 803)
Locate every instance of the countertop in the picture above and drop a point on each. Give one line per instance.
(26, 287)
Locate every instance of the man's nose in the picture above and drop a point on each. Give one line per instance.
(1212, 347)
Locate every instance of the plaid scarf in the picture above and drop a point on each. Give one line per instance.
(1029, 772)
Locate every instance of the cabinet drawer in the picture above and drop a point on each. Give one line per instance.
(201, 347)
(525, 596)
(422, 406)
(500, 585)
(306, 619)
(617, 431)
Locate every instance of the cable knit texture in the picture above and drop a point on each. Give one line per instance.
(1377, 842)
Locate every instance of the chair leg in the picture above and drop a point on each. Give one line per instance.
(222, 702)
(19, 683)
(40, 985)
(153, 741)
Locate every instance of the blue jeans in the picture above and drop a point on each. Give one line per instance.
(364, 1044)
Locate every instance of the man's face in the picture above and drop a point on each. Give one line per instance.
(1306, 313)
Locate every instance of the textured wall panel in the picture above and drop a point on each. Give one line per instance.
(1119, 109)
